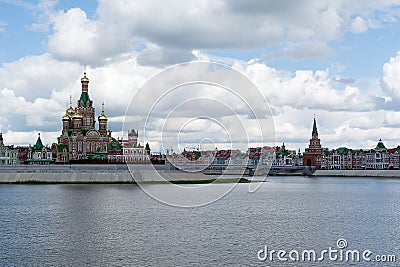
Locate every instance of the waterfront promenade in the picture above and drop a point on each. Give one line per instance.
(91, 173)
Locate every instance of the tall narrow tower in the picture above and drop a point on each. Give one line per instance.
(313, 154)
(85, 105)
(102, 122)
(315, 142)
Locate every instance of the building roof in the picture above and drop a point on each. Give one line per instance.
(102, 117)
(380, 144)
(84, 97)
(314, 130)
(343, 150)
(38, 145)
(60, 147)
(114, 145)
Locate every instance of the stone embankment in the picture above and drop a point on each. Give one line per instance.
(359, 173)
(94, 174)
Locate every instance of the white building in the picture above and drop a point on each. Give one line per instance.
(134, 153)
(8, 154)
(378, 158)
(39, 154)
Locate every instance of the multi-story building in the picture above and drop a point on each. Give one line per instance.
(359, 159)
(313, 154)
(22, 154)
(133, 152)
(284, 157)
(3, 152)
(378, 158)
(80, 140)
(337, 159)
(394, 158)
(8, 154)
(39, 154)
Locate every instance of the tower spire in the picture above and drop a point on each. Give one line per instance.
(315, 130)
(84, 99)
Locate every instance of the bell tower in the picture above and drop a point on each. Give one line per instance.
(85, 105)
(102, 122)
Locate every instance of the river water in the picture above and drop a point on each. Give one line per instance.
(120, 225)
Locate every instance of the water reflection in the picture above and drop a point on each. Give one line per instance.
(102, 225)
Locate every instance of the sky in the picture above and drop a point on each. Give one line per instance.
(336, 60)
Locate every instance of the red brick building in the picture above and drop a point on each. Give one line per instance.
(312, 156)
(80, 140)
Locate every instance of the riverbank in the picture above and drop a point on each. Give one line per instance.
(358, 173)
(142, 177)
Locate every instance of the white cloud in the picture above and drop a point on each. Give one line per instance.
(391, 79)
(344, 116)
(28, 138)
(39, 114)
(305, 89)
(37, 76)
(359, 25)
(172, 31)
(44, 12)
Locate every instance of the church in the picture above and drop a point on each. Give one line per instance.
(79, 139)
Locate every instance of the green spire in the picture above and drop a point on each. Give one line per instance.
(84, 97)
(314, 130)
(147, 147)
(39, 144)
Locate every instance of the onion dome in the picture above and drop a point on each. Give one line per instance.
(77, 116)
(66, 117)
(84, 79)
(102, 117)
(70, 111)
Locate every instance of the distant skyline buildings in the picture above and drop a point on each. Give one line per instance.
(337, 59)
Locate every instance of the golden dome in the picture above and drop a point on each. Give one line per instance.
(66, 118)
(84, 79)
(102, 117)
(77, 116)
(70, 111)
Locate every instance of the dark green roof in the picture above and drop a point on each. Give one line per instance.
(283, 153)
(61, 147)
(342, 150)
(380, 144)
(147, 147)
(327, 152)
(98, 155)
(84, 97)
(357, 151)
(114, 145)
(38, 145)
